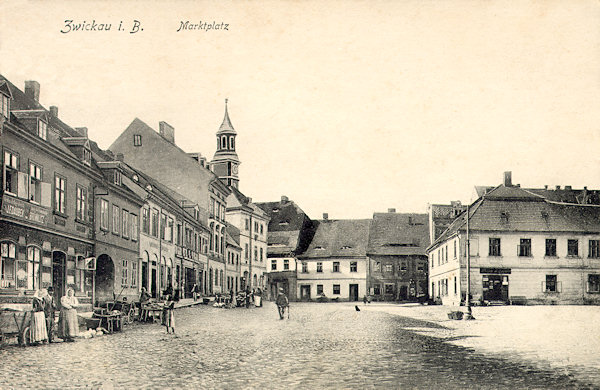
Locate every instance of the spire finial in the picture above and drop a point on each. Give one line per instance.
(226, 100)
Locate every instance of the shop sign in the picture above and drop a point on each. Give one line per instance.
(494, 270)
(24, 210)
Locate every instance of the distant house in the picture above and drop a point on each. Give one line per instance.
(526, 245)
(397, 257)
(335, 264)
(289, 234)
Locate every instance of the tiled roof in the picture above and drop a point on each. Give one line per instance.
(513, 209)
(398, 234)
(283, 242)
(339, 238)
(285, 216)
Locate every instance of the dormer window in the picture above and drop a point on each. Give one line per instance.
(275, 210)
(42, 129)
(87, 156)
(318, 247)
(136, 178)
(117, 178)
(346, 247)
(284, 223)
(5, 105)
(149, 187)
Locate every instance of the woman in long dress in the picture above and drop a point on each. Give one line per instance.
(68, 326)
(37, 328)
(168, 317)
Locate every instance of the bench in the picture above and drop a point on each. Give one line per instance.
(518, 300)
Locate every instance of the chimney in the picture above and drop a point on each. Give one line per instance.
(32, 90)
(54, 111)
(558, 187)
(83, 131)
(325, 216)
(508, 178)
(546, 186)
(249, 200)
(167, 131)
(119, 157)
(391, 210)
(284, 199)
(568, 188)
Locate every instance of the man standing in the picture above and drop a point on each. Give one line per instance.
(49, 311)
(282, 303)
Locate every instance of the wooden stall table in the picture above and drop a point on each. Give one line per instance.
(112, 322)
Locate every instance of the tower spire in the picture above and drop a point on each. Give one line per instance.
(226, 126)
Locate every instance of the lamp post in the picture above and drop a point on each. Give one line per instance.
(469, 315)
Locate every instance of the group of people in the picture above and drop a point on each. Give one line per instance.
(168, 317)
(43, 316)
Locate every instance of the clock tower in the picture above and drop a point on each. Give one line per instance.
(225, 162)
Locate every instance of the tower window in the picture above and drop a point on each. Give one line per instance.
(224, 142)
(232, 142)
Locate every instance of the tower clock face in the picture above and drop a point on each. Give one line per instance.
(234, 169)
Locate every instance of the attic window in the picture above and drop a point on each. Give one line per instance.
(4, 105)
(275, 210)
(346, 247)
(544, 214)
(117, 178)
(149, 187)
(318, 247)
(504, 216)
(137, 140)
(136, 178)
(284, 223)
(42, 129)
(87, 156)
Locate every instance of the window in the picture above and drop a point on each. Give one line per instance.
(42, 130)
(389, 289)
(420, 267)
(137, 140)
(304, 267)
(573, 248)
(336, 289)
(273, 265)
(247, 224)
(255, 253)
(404, 266)
(60, 186)
(35, 183)
(455, 249)
(319, 289)
(261, 254)
(594, 249)
(11, 164)
(117, 178)
(146, 220)
(377, 266)
(353, 266)
(154, 222)
(594, 283)
(103, 214)
(87, 156)
(163, 226)
(134, 273)
(525, 247)
(551, 283)
(551, 247)
(319, 267)
(115, 219)
(377, 289)
(134, 226)
(170, 230)
(261, 228)
(125, 222)
(495, 247)
(81, 203)
(286, 265)
(336, 266)
(7, 268)
(388, 268)
(455, 286)
(246, 251)
(34, 256)
(4, 105)
(124, 273)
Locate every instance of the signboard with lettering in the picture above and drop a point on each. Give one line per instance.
(20, 209)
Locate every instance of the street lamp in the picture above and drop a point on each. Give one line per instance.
(469, 315)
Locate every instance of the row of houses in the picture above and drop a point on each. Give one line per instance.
(109, 222)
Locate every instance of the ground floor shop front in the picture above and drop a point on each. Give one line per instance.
(331, 289)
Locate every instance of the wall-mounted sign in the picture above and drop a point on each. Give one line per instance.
(20, 209)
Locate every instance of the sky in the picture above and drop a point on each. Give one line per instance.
(346, 107)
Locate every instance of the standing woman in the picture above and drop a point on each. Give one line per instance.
(68, 325)
(37, 328)
(168, 317)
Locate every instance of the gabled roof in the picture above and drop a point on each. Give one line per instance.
(398, 234)
(233, 236)
(247, 202)
(513, 209)
(285, 216)
(5, 88)
(31, 114)
(339, 238)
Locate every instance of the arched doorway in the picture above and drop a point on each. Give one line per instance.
(145, 265)
(105, 278)
(58, 274)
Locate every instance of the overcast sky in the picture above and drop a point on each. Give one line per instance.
(345, 107)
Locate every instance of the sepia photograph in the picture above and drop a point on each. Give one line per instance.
(336, 194)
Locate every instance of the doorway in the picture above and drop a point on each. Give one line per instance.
(153, 283)
(105, 278)
(495, 288)
(353, 288)
(58, 275)
(305, 292)
(145, 275)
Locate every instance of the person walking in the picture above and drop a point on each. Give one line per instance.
(68, 325)
(195, 291)
(282, 303)
(168, 315)
(50, 312)
(37, 329)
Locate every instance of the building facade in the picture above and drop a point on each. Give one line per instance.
(397, 257)
(525, 245)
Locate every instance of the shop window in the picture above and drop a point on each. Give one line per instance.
(11, 166)
(319, 267)
(573, 248)
(60, 188)
(336, 289)
(104, 214)
(551, 247)
(286, 265)
(81, 203)
(551, 284)
(594, 252)
(389, 289)
(273, 265)
(353, 266)
(594, 283)
(30, 276)
(8, 254)
(35, 183)
(319, 289)
(116, 214)
(377, 289)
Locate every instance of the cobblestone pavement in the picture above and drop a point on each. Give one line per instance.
(320, 346)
